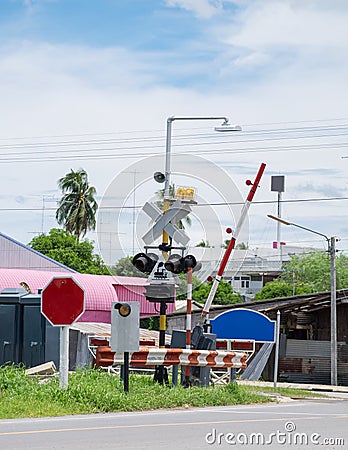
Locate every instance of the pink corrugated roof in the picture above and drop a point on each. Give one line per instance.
(100, 290)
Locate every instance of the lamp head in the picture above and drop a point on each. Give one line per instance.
(278, 219)
(225, 126)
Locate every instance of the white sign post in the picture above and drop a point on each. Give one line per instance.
(64, 357)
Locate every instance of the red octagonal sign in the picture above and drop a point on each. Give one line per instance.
(62, 301)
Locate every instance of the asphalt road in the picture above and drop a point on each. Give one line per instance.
(296, 424)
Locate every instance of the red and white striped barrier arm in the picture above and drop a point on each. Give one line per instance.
(184, 357)
(231, 244)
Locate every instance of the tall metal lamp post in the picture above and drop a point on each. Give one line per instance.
(331, 242)
(159, 177)
(225, 126)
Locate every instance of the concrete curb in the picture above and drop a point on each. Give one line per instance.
(304, 386)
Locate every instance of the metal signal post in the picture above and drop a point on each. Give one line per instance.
(165, 225)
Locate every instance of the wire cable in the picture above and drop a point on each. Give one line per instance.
(260, 202)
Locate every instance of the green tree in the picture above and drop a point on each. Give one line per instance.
(181, 283)
(313, 270)
(305, 274)
(150, 323)
(66, 249)
(203, 243)
(224, 294)
(278, 288)
(240, 246)
(124, 267)
(77, 208)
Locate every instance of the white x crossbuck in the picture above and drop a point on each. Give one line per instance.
(166, 222)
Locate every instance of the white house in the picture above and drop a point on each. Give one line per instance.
(247, 270)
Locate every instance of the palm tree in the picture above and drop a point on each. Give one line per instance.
(77, 208)
(203, 243)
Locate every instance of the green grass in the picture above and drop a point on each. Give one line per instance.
(93, 391)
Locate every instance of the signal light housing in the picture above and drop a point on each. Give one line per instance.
(178, 264)
(145, 262)
(160, 292)
(123, 308)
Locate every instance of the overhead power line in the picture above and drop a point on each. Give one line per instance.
(178, 137)
(160, 130)
(79, 154)
(261, 202)
(128, 147)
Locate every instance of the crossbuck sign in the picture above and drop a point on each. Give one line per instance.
(166, 222)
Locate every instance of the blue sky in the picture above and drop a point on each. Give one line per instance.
(135, 24)
(181, 43)
(81, 80)
(150, 29)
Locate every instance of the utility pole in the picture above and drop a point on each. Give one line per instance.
(331, 242)
(333, 315)
(277, 185)
(276, 356)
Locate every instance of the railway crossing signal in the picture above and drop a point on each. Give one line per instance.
(145, 262)
(125, 333)
(160, 292)
(178, 264)
(166, 222)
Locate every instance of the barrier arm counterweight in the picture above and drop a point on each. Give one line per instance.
(230, 247)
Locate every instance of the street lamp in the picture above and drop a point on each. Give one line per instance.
(331, 242)
(225, 126)
(159, 177)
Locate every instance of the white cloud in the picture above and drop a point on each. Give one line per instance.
(47, 64)
(201, 8)
(275, 24)
(51, 89)
(250, 60)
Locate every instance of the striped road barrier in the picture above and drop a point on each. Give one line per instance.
(184, 357)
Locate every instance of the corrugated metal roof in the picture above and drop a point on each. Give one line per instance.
(92, 328)
(100, 290)
(104, 330)
(304, 302)
(15, 255)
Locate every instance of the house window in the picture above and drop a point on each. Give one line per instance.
(256, 278)
(241, 282)
(245, 282)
